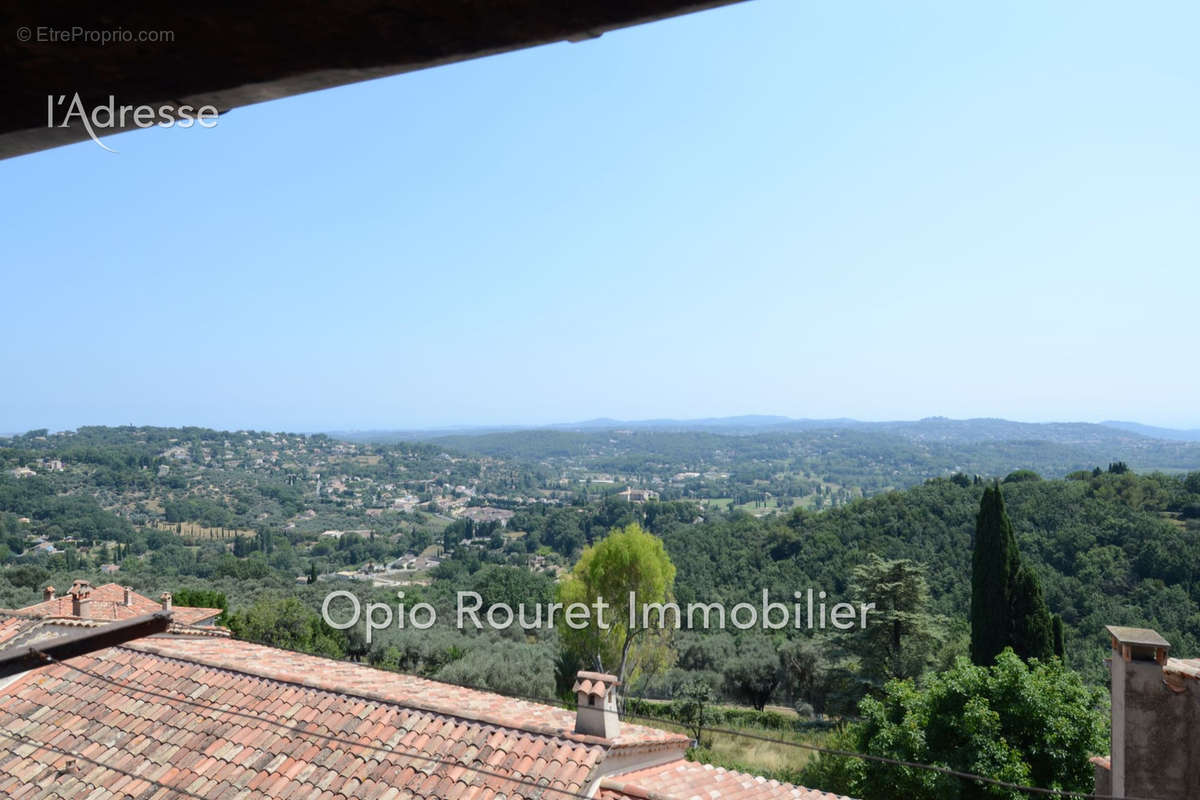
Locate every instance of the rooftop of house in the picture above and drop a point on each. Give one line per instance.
(254, 722)
(111, 601)
(25, 631)
(122, 740)
(346, 677)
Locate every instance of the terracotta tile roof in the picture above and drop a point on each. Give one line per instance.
(248, 722)
(687, 780)
(12, 626)
(442, 698)
(108, 602)
(123, 740)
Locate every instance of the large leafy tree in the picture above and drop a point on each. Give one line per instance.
(511, 586)
(513, 668)
(629, 560)
(902, 635)
(754, 672)
(285, 622)
(1033, 724)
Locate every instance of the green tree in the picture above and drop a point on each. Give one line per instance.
(285, 622)
(1007, 606)
(1033, 723)
(510, 668)
(995, 563)
(1032, 626)
(693, 707)
(511, 586)
(754, 673)
(902, 635)
(628, 561)
(1060, 648)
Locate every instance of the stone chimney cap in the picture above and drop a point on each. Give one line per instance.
(48, 593)
(595, 683)
(1137, 637)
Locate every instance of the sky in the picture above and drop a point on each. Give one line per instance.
(869, 210)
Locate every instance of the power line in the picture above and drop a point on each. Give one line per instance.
(845, 753)
(296, 728)
(726, 731)
(17, 737)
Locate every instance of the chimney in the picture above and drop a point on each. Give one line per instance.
(81, 604)
(166, 600)
(596, 713)
(48, 593)
(128, 595)
(1151, 713)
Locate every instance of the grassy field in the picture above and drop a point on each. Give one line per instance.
(770, 759)
(776, 759)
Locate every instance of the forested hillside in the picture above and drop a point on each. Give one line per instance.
(248, 513)
(1111, 548)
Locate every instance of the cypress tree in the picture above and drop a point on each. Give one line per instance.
(1032, 628)
(1007, 606)
(1060, 649)
(994, 566)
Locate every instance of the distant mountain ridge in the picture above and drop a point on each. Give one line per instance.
(1169, 434)
(931, 429)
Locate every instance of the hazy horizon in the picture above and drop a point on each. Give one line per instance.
(502, 426)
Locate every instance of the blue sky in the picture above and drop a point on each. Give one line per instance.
(817, 210)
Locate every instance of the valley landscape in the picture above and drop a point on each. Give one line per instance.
(594, 400)
(265, 525)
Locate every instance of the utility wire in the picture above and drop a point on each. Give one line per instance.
(17, 737)
(841, 753)
(725, 731)
(296, 728)
(1033, 790)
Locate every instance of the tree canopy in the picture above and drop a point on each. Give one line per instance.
(1034, 724)
(629, 561)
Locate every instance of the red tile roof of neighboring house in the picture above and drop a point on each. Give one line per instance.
(21, 631)
(138, 739)
(108, 602)
(688, 780)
